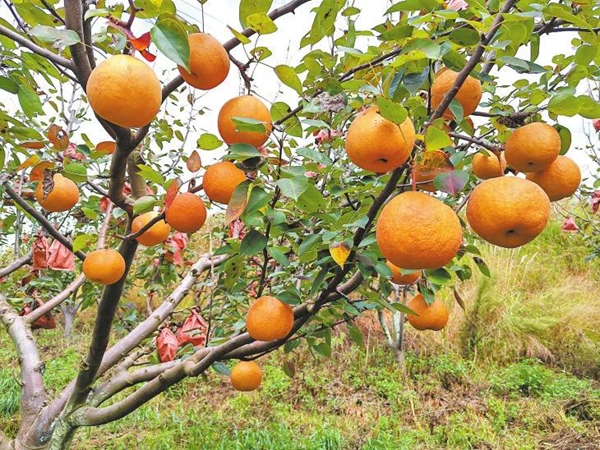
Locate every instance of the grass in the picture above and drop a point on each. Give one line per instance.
(519, 369)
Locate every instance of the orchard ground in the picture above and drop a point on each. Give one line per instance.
(520, 369)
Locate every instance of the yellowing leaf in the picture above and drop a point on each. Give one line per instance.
(31, 161)
(339, 253)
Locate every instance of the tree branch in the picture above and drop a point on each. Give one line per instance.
(102, 326)
(16, 265)
(481, 142)
(56, 300)
(475, 58)
(41, 220)
(33, 393)
(49, 55)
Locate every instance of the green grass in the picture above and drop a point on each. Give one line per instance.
(518, 369)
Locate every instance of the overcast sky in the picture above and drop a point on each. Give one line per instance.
(285, 46)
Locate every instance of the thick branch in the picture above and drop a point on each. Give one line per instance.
(475, 58)
(102, 326)
(144, 329)
(16, 265)
(56, 59)
(41, 220)
(33, 394)
(74, 21)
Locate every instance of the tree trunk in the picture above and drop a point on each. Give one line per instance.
(62, 436)
(69, 315)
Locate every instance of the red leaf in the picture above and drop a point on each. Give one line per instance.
(148, 56)
(60, 257)
(569, 225)
(194, 163)
(236, 229)
(166, 344)
(451, 182)
(141, 43)
(71, 152)
(172, 192)
(193, 331)
(40, 253)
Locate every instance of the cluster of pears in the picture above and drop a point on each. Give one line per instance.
(416, 231)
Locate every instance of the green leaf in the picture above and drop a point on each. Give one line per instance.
(292, 124)
(439, 276)
(221, 368)
(279, 256)
(398, 32)
(170, 37)
(564, 12)
(323, 349)
(308, 242)
(436, 139)
(249, 7)
(148, 173)
(240, 37)
(54, 35)
(249, 124)
(482, 266)
(564, 103)
(350, 11)
(75, 171)
(314, 155)
(457, 110)
(585, 54)
(253, 243)
(465, 37)
(431, 49)
(324, 23)
(391, 110)
(288, 76)
(29, 100)
(144, 204)
(356, 335)
(293, 187)
(413, 5)
(261, 23)
(82, 241)
(208, 141)
(565, 138)
(242, 152)
(413, 81)
(9, 85)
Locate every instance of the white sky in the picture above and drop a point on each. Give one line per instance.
(285, 47)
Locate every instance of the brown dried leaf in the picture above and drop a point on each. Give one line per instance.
(194, 163)
(238, 202)
(48, 183)
(58, 137)
(37, 173)
(459, 299)
(35, 145)
(172, 192)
